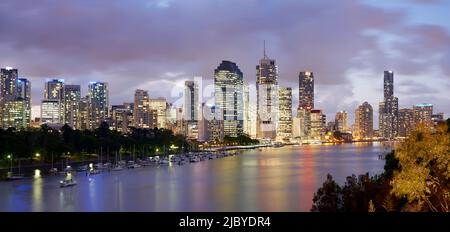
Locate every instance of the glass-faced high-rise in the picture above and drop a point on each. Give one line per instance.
(98, 103)
(389, 110)
(141, 110)
(228, 92)
(306, 90)
(53, 102)
(24, 94)
(364, 121)
(72, 97)
(284, 132)
(267, 98)
(8, 84)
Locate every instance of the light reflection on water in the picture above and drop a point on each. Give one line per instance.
(273, 179)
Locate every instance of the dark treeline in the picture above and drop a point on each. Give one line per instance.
(48, 142)
(240, 140)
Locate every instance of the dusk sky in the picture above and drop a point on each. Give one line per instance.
(156, 45)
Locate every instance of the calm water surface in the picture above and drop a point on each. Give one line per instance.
(273, 179)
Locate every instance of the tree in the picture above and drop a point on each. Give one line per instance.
(328, 197)
(423, 177)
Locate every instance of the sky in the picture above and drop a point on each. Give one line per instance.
(157, 44)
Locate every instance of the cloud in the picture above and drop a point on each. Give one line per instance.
(136, 43)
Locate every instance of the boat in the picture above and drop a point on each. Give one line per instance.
(12, 176)
(93, 172)
(194, 159)
(212, 156)
(132, 164)
(315, 142)
(53, 171)
(68, 181)
(164, 161)
(117, 168)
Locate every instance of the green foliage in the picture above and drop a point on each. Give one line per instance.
(239, 140)
(49, 142)
(424, 175)
(328, 197)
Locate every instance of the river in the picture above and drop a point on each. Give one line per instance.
(268, 179)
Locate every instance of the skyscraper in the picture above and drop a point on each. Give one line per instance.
(191, 103)
(14, 114)
(160, 105)
(284, 132)
(246, 110)
(405, 122)
(389, 113)
(423, 114)
(267, 98)
(72, 97)
(83, 114)
(306, 102)
(98, 103)
(191, 110)
(121, 118)
(364, 121)
(8, 84)
(141, 112)
(53, 97)
(24, 92)
(318, 124)
(306, 90)
(341, 121)
(228, 85)
(51, 112)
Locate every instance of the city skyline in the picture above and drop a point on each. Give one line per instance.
(342, 71)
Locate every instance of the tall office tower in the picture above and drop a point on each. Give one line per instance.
(341, 121)
(98, 103)
(318, 123)
(252, 115)
(54, 91)
(14, 114)
(306, 90)
(171, 113)
(267, 98)
(72, 97)
(160, 105)
(423, 114)
(228, 86)
(405, 122)
(192, 111)
(8, 83)
(51, 111)
(24, 93)
(389, 112)
(83, 114)
(141, 112)
(191, 101)
(284, 131)
(214, 124)
(306, 100)
(180, 125)
(381, 119)
(246, 108)
(364, 121)
(302, 124)
(121, 117)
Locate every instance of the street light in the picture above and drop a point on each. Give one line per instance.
(9, 157)
(38, 155)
